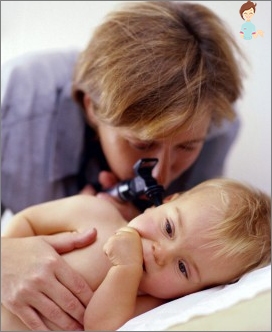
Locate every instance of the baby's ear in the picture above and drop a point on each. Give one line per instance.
(170, 198)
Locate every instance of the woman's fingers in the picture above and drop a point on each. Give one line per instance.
(64, 313)
(67, 241)
(42, 283)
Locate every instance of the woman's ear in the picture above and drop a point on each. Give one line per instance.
(89, 109)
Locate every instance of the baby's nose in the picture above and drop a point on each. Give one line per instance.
(161, 254)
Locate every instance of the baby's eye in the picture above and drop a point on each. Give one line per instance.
(182, 269)
(168, 228)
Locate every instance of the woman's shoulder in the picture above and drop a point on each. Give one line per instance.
(32, 83)
(40, 71)
(39, 60)
(226, 128)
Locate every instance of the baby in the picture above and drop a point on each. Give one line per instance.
(207, 236)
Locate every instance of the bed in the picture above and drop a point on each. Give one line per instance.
(242, 306)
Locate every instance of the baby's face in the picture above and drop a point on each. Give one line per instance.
(176, 261)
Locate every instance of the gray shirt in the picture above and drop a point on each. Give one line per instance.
(43, 134)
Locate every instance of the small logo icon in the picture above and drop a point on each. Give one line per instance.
(248, 29)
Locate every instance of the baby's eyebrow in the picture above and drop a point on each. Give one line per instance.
(179, 219)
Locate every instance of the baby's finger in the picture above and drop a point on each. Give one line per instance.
(126, 229)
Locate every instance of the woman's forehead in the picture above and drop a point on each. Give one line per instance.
(197, 129)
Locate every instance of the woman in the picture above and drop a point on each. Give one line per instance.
(158, 79)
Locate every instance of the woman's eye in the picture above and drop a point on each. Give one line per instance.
(168, 228)
(182, 269)
(187, 147)
(142, 145)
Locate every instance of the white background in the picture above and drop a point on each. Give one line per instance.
(37, 25)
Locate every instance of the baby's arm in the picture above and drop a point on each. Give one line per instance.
(63, 215)
(114, 301)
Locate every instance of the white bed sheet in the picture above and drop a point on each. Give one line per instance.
(202, 303)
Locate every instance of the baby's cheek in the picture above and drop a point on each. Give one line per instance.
(145, 224)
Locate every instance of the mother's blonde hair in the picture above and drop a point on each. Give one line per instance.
(154, 66)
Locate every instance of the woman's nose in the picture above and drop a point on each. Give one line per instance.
(161, 254)
(162, 171)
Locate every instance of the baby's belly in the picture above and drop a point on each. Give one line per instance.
(91, 263)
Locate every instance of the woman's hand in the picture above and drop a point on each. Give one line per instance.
(36, 282)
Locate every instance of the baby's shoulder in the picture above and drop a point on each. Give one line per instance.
(92, 211)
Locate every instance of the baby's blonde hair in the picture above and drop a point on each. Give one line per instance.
(156, 66)
(243, 230)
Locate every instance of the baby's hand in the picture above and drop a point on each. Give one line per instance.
(124, 247)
